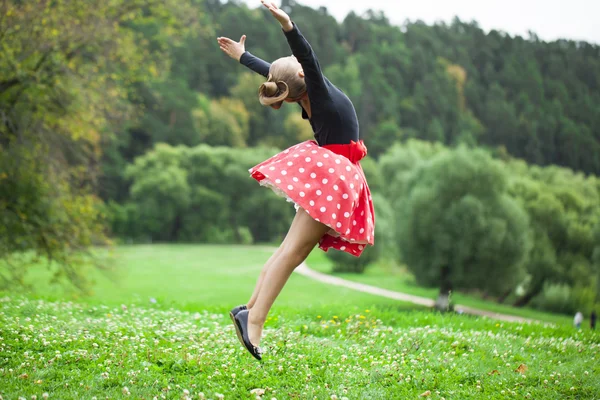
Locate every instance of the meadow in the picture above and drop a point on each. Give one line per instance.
(391, 276)
(159, 329)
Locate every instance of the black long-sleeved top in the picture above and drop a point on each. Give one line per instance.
(333, 117)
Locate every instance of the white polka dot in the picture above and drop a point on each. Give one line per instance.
(302, 194)
(287, 151)
(362, 230)
(334, 216)
(345, 196)
(308, 145)
(301, 170)
(319, 192)
(356, 177)
(347, 214)
(290, 187)
(283, 172)
(295, 179)
(302, 151)
(329, 198)
(353, 222)
(335, 187)
(290, 163)
(356, 195)
(314, 152)
(347, 231)
(296, 155)
(323, 209)
(360, 247)
(342, 177)
(352, 186)
(313, 175)
(325, 181)
(325, 155)
(343, 248)
(368, 237)
(312, 203)
(272, 169)
(278, 181)
(307, 185)
(337, 161)
(338, 206)
(331, 170)
(319, 164)
(348, 168)
(307, 159)
(339, 224)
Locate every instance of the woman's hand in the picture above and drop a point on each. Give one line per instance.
(280, 15)
(231, 48)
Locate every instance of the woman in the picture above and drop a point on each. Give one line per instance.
(322, 177)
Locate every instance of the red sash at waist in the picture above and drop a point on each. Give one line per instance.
(355, 151)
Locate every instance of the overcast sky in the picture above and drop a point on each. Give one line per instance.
(549, 19)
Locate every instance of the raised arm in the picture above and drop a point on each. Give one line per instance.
(301, 49)
(237, 51)
(255, 64)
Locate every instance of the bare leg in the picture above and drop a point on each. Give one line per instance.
(304, 234)
(268, 264)
(261, 277)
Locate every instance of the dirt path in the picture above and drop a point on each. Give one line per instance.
(303, 269)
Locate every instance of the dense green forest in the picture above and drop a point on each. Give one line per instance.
(125, 121)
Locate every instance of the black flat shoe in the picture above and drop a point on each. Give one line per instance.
(241, 327)
(234, 311)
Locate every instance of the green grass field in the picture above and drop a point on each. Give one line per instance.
(197, 277)
(321, 342)
(388, 276)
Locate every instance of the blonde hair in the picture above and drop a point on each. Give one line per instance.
(283, 82)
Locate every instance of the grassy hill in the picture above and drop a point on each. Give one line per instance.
(162, 332)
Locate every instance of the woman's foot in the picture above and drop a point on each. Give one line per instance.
(255, 329)
(242, 328)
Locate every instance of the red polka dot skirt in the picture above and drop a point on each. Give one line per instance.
(328, 182)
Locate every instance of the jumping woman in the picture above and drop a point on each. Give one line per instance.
(322, 177)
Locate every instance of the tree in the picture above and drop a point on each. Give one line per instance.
(160, 191)
(223, 122)
(384, 133)
(64, 73)
(564, 209)
(459, 229)
(398, 164)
